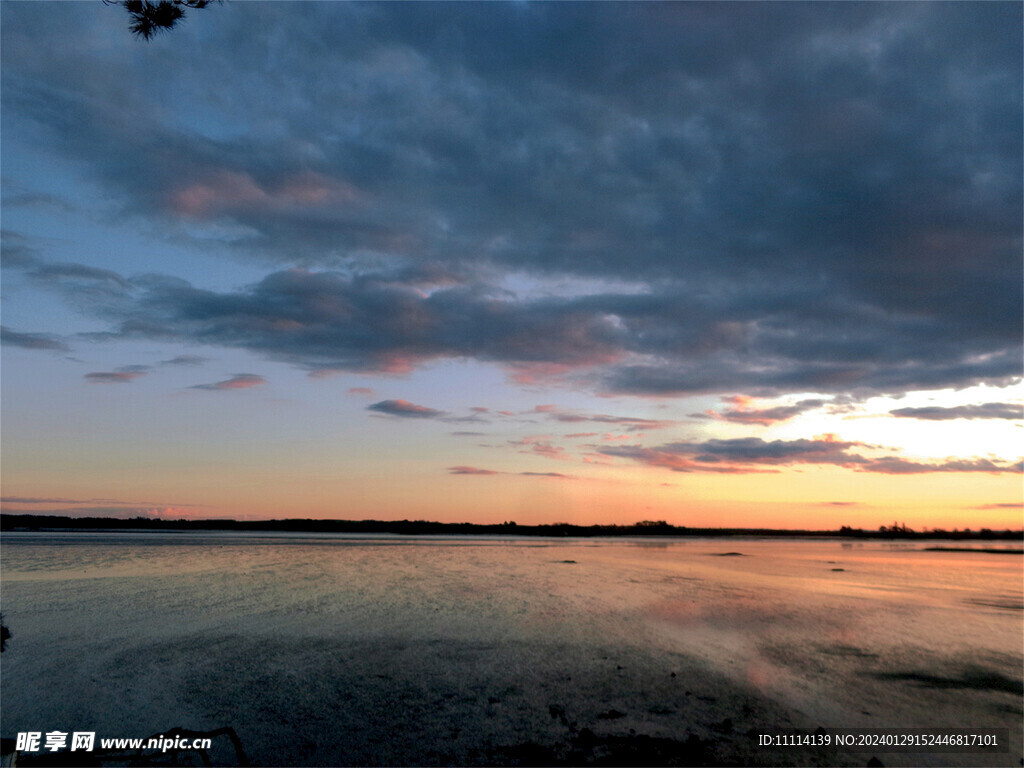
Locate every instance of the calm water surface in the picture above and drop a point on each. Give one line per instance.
(134, 633)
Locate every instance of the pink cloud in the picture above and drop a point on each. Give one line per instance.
(629, 423)
(540, 445)
(238, 381)
(396, 363)
(533, 373)
(461, 470)
(360, 391)
(224, 191)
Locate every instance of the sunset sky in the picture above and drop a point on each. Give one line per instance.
(723, 264)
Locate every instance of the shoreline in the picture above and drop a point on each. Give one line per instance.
(12, 522)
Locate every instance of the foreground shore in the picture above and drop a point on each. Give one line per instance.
(331, 703)
(544, 653)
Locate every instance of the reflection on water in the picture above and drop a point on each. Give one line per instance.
(852, 634)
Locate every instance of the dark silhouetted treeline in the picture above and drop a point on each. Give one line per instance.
(14, 522)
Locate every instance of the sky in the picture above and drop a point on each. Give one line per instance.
(719, 264)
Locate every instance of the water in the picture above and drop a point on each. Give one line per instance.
(332, 650)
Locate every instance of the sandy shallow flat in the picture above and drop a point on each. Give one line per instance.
(540, 653)
(388, 702)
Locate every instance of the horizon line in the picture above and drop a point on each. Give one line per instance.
(644, 527)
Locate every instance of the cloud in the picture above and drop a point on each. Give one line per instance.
(224, 192)
(629, 423)
(471, 471)
(360, 391)
(31, 340)
(37, 199)
(743, 411)
(329, 321)
(57, 272)
(813, 197)
(121, 376)
(44, 500)
(752, 454)
(892, 465)
(404, 409)
(238, 381)
(85, 506)
(187, 360)
(103, 511)
(16, 250)
(541, 446)
(983, 411)
(462, 470)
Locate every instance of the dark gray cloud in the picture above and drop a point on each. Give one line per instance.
(78, 273)
(16, 250)
(752, 454)
(892, 465)
(31, 340)
(805, 197)
(37, 199)
(743, 413)
(188, 360)
(982, 411)
(115, 377)
(405, 409)
(462, 470)
(657, 343)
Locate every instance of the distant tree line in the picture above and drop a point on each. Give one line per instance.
(28, 522)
